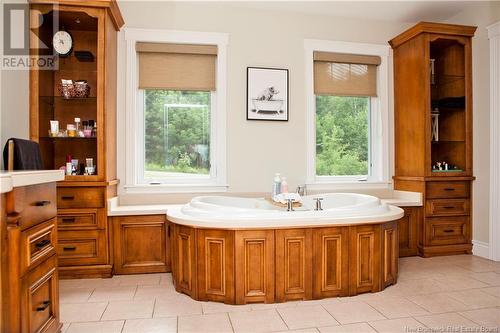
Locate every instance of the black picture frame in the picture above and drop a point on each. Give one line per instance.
(270, 114)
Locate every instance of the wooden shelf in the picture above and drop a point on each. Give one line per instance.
(67, 138)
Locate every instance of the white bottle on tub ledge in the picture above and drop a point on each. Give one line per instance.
(276, 185)
(284, 185)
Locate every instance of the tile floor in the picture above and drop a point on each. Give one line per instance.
(443, 293)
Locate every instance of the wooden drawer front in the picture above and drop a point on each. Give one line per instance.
(39, 299)
(82, 247)
(447, 207)
(80, 197)
(69, 219)
(447, 190)
(447, 231)
(37, 244)
(35, 203)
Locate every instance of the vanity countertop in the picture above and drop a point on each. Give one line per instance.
(11, 179)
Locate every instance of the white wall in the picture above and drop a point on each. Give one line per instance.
(256, 149)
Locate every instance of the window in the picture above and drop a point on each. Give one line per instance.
(175, 138)
(347, 127)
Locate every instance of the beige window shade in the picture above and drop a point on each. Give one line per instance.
(177, 66)
(345, 74)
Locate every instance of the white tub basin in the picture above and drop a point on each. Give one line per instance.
(249, 213)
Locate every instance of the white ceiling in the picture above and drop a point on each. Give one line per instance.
(399, 11)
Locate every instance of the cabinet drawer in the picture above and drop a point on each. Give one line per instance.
(86, 247)
(447, 207)
(37, 244)
(80, 197)
(447, 230)
(71, 219)
(447, 190)
(39, 299)
(35, 203)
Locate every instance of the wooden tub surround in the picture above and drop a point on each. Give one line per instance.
(279, 265)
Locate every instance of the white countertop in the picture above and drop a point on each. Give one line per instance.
(398, 198)
(11, 179)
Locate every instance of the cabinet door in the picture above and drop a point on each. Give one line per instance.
(390, 253)
(254, 266)
(141, 244)
(40, 299)
(364, 259)
(184, 260)
(215, 258)
(408, 231)
(293, 264)
(331, 262)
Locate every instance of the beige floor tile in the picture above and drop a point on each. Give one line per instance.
(418, 287)
(491, 278)
(151, 325)
(216, 307)
(82, 312)
(416, 274)
(87, 283)
(480, 266)
(485, 317)
(354, 328)
(439, 303)
(75, 295)
(139, 279)
(306, 317)
(305, 330)
(397, 325)
(65, 327)
(128, 310)
(494, 291)
(444, 320)
(353, 312)
(96, 327)
(166, 279)
(257, 321)
(475, 298)
(216, 322)
(396, 307)
(461, 283)
(155, 292)
(268, 306)
(120, 293)
(177, 306)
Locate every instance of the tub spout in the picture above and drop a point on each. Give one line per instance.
(318, 204)
(289, 205)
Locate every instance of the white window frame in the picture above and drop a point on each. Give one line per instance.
(134, 119)
(380, 150)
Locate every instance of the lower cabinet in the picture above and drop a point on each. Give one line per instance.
(141, 244)
(364, 262)
(389, 253)
(408, 231)
(39, 299)
(184, 260)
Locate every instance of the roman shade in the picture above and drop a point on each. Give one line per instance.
(177, 66)
(344, 74)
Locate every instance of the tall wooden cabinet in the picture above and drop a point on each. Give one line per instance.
(82, 197)
(433, 131)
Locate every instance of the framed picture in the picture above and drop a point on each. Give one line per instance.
(267, 94)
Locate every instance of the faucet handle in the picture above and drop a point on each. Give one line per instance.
(318, 203)
(289, 204)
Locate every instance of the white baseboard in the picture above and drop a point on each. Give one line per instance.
(480, 249)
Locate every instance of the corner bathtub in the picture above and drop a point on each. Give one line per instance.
(246, 250)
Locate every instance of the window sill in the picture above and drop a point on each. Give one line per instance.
(348, 185)
(174, 188)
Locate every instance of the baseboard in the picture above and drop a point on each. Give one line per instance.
(480, 249)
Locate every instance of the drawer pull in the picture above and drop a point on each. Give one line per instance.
(448, 207)
(68, 197)
(448, 230)
(42, 203)
(69, 248)
(68, 220)
(42, 243)
(449, 189)
(44, 306)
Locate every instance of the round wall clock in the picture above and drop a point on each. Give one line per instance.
(63, 43)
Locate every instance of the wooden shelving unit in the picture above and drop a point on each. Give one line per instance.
(93, 26)
(420, 92)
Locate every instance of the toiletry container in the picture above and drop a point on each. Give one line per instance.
(276, 185)
(284, 185)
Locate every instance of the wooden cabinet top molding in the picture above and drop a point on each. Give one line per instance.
(430, 27)
(111, 5)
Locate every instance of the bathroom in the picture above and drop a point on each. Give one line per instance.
(180, 146)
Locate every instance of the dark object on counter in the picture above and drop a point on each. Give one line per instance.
(84, 56)
(22, 155)
(452, 102)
